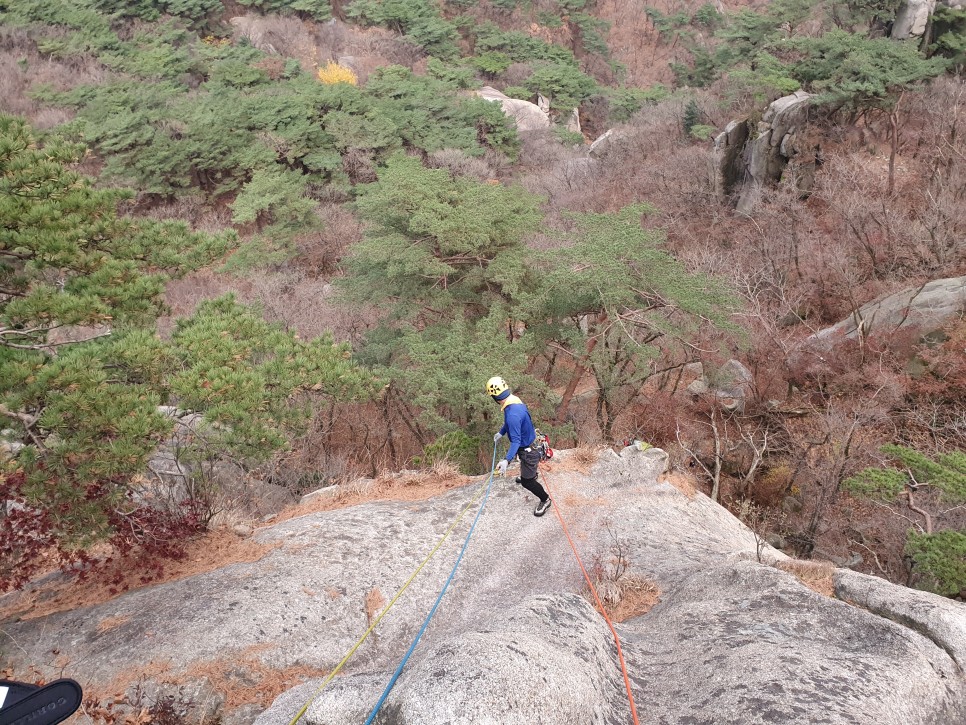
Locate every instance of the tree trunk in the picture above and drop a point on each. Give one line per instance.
(894, 145)
(579, 371)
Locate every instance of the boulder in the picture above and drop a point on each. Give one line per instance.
(912, 18)
(766, 156)
(730, 384)
(601, 143)
(573, 121)
(527, 116)
(928, 308)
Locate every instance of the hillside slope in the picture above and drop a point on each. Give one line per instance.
(731, 640)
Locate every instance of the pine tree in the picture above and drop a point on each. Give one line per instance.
(82, 372)
(440, 247)
(615, 300)
(939, 556)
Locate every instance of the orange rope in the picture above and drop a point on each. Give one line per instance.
(600, 605)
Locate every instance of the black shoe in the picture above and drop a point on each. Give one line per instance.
(542, 508)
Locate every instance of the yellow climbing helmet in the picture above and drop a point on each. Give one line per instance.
(496, 385)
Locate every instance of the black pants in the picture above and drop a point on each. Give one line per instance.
(529, 461)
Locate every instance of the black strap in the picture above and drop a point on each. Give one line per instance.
(44, 706)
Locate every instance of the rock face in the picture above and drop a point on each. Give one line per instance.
(912, 18)
(732, 640)
(727, 171)
(935, 617)
(527, 116)
(741, 164)
(928, 307)
(550, 659)
(730, 384)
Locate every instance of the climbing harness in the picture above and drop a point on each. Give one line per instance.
(600, 605)
(485, 486)
(399, 668)
(542, 444)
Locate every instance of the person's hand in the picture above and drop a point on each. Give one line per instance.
(501, 467)
(497, 436)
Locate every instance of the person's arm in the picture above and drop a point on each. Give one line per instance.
(513, 424)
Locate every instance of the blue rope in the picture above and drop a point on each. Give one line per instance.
(399, 669)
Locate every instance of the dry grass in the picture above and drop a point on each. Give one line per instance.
(244, 679)
(578, 460)
(401, 486)
(109, 623)
(683, 482)
(638, 595)
(622, 593)
(816, 575)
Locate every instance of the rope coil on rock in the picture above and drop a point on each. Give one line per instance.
(600, 606)
(483, 487)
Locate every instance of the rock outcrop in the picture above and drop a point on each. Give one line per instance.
(912, 18)
(732, 640)
(927, 308)
(527, 116)
(742, 163)
(730, 384)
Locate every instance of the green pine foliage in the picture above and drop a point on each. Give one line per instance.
(246, 377)
(455, 447)
(945, 472)
(856, 15)
(66, 257)
(441, 369)
(438, 246)
(565, 85)
(880, 483)
(85, 404)
(940, 560)
(519, 47)
(313, 9)
(764, 79)
(850, 70)
(614, 283)
(419, 20)
(199, 12)
(167, 139)
(92, 30)
(444, 258)
(940, 557)
(625, 102)
(949, 31)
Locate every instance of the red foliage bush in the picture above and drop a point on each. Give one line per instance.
(145, 537)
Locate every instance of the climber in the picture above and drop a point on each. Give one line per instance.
(518, 426)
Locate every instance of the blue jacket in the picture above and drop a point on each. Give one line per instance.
(517, 425)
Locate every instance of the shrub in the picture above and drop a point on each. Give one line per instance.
(940, 561)
(456, 447)
(563, 84)
(304, 8)
(335, 73)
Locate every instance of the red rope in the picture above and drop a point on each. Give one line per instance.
(600, 606)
